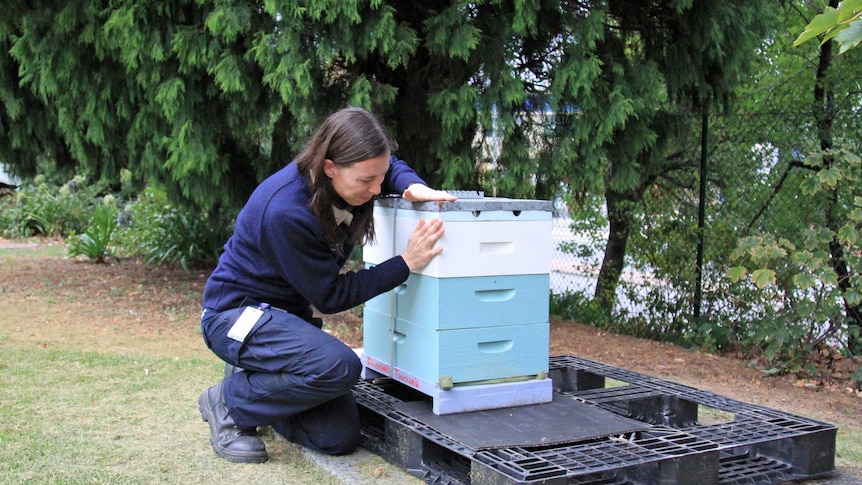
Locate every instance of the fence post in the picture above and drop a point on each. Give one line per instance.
(701, 209)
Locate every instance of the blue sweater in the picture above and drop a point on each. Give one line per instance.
(278, 253)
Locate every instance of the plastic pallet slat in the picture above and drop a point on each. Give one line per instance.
(759, 446)
(748, 469)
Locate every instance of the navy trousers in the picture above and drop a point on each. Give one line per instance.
(297, 379)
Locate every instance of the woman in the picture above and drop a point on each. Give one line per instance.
(285, 258)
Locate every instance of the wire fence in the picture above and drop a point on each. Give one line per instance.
(755, 168)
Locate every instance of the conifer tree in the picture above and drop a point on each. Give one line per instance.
(207, 98)
(210, 97)
(637, 73)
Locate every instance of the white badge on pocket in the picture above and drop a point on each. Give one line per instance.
(243, 325)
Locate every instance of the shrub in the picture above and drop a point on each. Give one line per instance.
(95, 242)
(578, 307)
(148, 226)
(165, 234)
(42, 208)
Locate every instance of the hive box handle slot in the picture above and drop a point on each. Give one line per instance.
(497, 247)
(495, 295)
(495, 347)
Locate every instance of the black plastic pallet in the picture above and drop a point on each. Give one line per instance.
(746, 443)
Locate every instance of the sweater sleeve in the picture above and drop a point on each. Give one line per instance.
(294, 244)
(399, 177)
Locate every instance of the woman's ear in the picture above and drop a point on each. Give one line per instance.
(329, 168)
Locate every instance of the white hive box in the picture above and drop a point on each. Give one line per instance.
(488, 236)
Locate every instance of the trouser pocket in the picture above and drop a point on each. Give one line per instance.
(216, 326)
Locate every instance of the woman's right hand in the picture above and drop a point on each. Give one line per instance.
(420, 248)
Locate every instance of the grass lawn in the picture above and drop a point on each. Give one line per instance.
(100, 372)
(101, 367)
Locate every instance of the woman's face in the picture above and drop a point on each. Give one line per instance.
(360, 182)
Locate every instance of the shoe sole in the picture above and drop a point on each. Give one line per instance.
(231, 456)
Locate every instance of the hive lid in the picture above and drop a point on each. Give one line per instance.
(469, 201)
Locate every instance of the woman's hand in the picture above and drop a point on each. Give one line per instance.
(420, 248)
(421, 193)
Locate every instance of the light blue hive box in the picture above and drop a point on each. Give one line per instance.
(471, 329)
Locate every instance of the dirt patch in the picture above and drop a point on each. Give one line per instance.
(6, 244)
(730, 377)
(130, 303)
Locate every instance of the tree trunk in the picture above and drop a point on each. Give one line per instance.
(824, 114)
(282, 153)
(620, 222)
(416, 128)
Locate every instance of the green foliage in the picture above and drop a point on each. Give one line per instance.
(188, 238)
(578, 307)
(781, 271)
(42, 207)
(202, 100)
(205, 99)
(166, 234)
(843, 24)
(760, 184)
(149, 225)
(632, 136)
(664, 325)
(803, 274)
(95, 242)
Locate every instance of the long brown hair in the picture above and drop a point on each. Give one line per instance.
(346, 137)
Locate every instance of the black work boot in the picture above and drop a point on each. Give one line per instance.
(229, 442)
(229, 370)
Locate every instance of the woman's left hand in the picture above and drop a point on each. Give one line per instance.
(421, 193)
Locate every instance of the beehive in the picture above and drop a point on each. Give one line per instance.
(470, 329)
